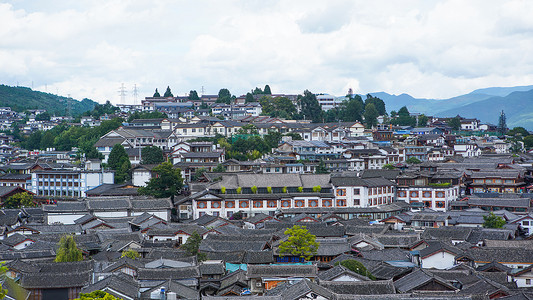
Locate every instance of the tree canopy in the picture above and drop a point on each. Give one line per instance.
(493, 221)
(19, 200)
(455, 123)
(355, 266)
(168, 93)
(147, 115)
(502, 124)
(130, 253)
(224, 96)
(371, 114)
(68, 251)
(97, 295)
(151, 155)
(156, 94)
(321, 168)
(249, 98)
(279, 107)
(403, 118)
(299, 243)
(167, 182)
(266, 90)
(192, 245)
(310, 109)
(193, 95)
(120, 162)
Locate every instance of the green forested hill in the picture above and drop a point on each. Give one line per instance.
(23, 98)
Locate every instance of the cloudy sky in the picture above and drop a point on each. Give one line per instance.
(435, 49)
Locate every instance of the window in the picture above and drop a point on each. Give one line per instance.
(313, 203)
(230, 204)
(439, 194)
(271, 203)
(525, 223)
(326, 203)
(258, 204)
(440, 204)
(215, 204)
(229, 214)
(286, 203)
(356, 191)
(216, 214)
(202, 204)
(413, 194)
(426, 194)
(299, 203)
(341, 192)
(401, 193)
(528, 281)
(356, 202)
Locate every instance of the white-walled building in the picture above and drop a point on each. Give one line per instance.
(68, 183)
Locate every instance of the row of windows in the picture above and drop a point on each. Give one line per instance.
(59, 193)
(271, 203)
(425, 194)
(58, 176)
(52, 183)
(438, 204)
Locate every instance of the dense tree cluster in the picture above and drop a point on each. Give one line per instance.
(300, 243)
(250, 147)
(19, 200)
(403, 118)
(152, 155)
(167, 182)
(120, 162)
(68, 251)
(354, 109)
(147, 115)
(279, 107)
(224, 96)
(64, 137)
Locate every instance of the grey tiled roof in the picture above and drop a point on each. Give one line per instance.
(168, 273)
(258, 271)
(382, 287)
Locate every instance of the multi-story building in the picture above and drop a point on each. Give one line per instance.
(498, 181)
(358, 192)
(433, 190)
(68, 183)
(252, 194)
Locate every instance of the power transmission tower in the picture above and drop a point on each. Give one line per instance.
(202, 90)
(135, 94)
(122, 94)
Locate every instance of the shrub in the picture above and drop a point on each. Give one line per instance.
(284, 189)
(300, 189)
(254, 189)
(317, 189)
(269, 189)
(239, 190)
(223, 190)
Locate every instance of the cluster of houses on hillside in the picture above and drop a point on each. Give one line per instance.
(409, 204)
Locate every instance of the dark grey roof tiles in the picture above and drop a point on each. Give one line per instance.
(168, 273)
(382, 287)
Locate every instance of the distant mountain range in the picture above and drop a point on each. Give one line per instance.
(484, 104)
(23, 98)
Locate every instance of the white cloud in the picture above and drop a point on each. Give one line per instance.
(425, 48)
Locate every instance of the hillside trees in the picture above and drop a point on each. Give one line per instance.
(310, 109)
(224, 96)
(156, 94)
(151, 155)
(119, 161)
(279, 107)
(404, 118)
(167, 182)
(371, 114)
(168, 93)
(193, 95)
(455, 123)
